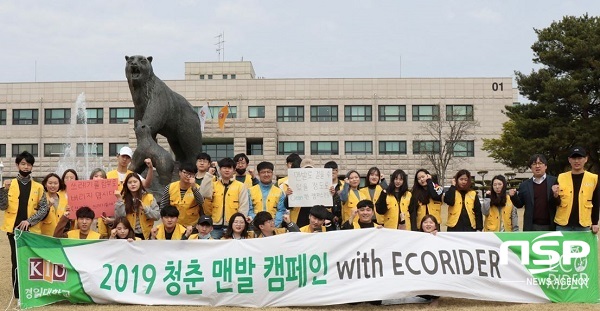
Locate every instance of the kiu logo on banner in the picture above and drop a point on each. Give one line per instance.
(40, 269)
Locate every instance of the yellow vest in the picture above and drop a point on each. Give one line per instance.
(392, 217)
(247, 180)
(49, 224)
(261, 235)
(435, 209)
(281, 180)
(455, 210)
(178, 232)
(189, 210)
(224, 207)
(195, 237)
(351, 204)
(378, 189)
(306, 229)
(273, 198)
(145, 223)
(114, 174)
(10, 215)
(492, 221)
(586, 192)
(74, 234)
(356, 225)
(294, 210)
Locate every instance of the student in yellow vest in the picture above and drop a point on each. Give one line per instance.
(396, 208)
(57, 202)
(228, 195)
(265, 196)
(203, 165)
(292, 161)
(264, 225)
(185, 195)
(464, 208)
(204, 228)
(362, 216)
(123, 231)
(317, 221)
(237, 228)
(577, 212)
(169, 229)
(85, 217)
(499, 211)
(241, 165)
(137, 205)
(350, 195)
(24, 203)
(429, 224)
(375, 184)
(428, 196)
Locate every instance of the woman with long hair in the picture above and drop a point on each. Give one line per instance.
(122, 230)
(397, 205)
(428, 196)
(137, 205)
(350, 195)
(464, 208)
(57, 202)
(499, 211)
(373, 188)
(237, 229)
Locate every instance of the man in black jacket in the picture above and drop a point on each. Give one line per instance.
(536, 195)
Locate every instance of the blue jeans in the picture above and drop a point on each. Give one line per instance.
(572, 228)
(217, 232)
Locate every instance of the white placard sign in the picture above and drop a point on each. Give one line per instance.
(310, 186)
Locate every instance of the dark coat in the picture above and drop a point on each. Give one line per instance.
(526, 199)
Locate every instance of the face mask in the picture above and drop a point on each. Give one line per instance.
(24, 174)
(240, 171)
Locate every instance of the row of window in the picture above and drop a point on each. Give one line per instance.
(460, 148)
(352, 113)
(232, 76)
(58, 150)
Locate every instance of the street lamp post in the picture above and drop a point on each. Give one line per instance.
(1, 172)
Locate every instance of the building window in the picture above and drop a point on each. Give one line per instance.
(426, 113)
(233, 76)
(2, 116)
(91, 150)
(25, 116)
(256, 111)
(290, 113)
(254, 146)
(323, 113)
(57, 116)
(218, 151)
(392, 147)
(392, 113)
(2, 150)
(93, 116)
(18, 148)
(359, 147)
(459, 113)
(288, 147)
(209, 77)
(201, 77)
(358, 113)
(324, 147)
(224, 77)
(55, 150)
(113, 148)
(214, 112)
(120, 115)
(426, 146)
(463, 148)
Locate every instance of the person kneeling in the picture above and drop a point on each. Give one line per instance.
(85, 217)
(122, 230)
(264, 225)
(204, 227)
(169, 229)
(364, 210)
(317, 220)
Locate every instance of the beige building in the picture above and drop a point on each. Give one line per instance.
(358, 122)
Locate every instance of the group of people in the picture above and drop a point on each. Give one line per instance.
(224, 200)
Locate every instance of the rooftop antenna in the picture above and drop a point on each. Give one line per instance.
(220, 45)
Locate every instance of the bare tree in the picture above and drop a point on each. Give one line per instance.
(447, 131)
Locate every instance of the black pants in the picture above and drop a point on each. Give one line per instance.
(13, 260)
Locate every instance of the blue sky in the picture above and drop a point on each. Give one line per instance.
(87, 40)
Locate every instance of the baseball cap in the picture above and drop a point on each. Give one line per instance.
(577, 152)
(126, 151)
(205, 220)
(307, 163)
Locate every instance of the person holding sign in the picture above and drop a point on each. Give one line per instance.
(428, 196)
(464, 208)
(396, 204)
(57, 202)
(318, 221)
(335, 212)
(185, 195)
(499, 211)
(85, 217)
(264, 225)
(169, 229)
(237, 228)
(25, 205)
(265, 196)
(137, 205)
(350, 195)
(362, 216)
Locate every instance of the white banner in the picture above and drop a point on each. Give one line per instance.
(310, 186)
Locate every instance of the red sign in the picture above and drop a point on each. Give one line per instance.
(99, 195)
